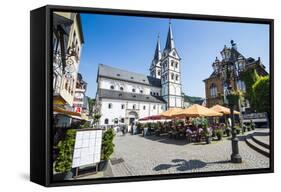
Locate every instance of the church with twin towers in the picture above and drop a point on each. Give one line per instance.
(123, 96)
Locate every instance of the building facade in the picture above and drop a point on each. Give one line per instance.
(67, 45)
(214, 86)
(123, 97)
(80, 102)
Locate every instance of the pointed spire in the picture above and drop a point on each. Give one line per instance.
(157, 54)
(170, 44)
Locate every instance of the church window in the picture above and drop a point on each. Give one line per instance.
(172, 63)
(176, 65)
(177, 77)
(134, 106)
(111, 87)
(150, 92)
(174, 53)
(110, 106)
(134, 90)
(121, 88)
(159, 72)
(122, 120)
(172, 76)
(143, 107)
(106, 121)
(122, 106)
(115, 121)
(141, 91)
(154, 106)
(157, 94)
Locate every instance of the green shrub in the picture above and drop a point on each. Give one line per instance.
(107, 144)
(66, 148)
(219, 133)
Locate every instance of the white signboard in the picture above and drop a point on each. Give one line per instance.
(87, 149)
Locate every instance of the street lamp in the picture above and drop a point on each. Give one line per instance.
(228, 71)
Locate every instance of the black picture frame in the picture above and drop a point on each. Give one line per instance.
(41, 93)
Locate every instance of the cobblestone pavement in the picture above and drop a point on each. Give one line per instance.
(159, 155)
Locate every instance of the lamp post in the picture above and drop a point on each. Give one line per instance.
(228, 71)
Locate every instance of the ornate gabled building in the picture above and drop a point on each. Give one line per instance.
(214, 86)
(124, 97)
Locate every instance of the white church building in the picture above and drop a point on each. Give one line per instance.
(124, 97)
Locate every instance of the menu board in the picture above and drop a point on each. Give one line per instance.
(87, 148)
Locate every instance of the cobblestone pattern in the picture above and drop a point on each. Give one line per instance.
(159, 155)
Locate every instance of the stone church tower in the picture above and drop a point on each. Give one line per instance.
(170, 74)
(155, 68)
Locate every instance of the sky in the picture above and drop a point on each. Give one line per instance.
(128, 42)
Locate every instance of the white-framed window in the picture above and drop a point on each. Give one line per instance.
(122, 106)
(112, 87)
(109, 105)
(143, 107)
(177, 77)
(134, 106)
(154, 107)
(106, 121)
(133, 90)
(121, 88)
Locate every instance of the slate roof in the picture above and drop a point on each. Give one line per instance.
(120, 74)
(111, 94)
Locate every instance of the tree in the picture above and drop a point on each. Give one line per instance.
(96, 118)
(261, 92)
(107, 144)
(250, 77)
(66, 148)
(91, 104)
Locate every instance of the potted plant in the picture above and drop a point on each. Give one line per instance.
(64, 159)
(219, 134)
(107, 148)
(237, 129)
(252, 124)
(207, 135)
(228, 131)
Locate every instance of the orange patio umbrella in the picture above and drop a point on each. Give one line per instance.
(197, 111)
(224, 110)
(170, 112)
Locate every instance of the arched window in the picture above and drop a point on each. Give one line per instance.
(154, 106)
(112, 87)
(121, 88)
(177, 77)
(134, 106)
(172, 76)
(109, 105)
(122, 120)
(133, 90)
(143, 107)
(213, 90)
(122, 106)
(106, 121)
